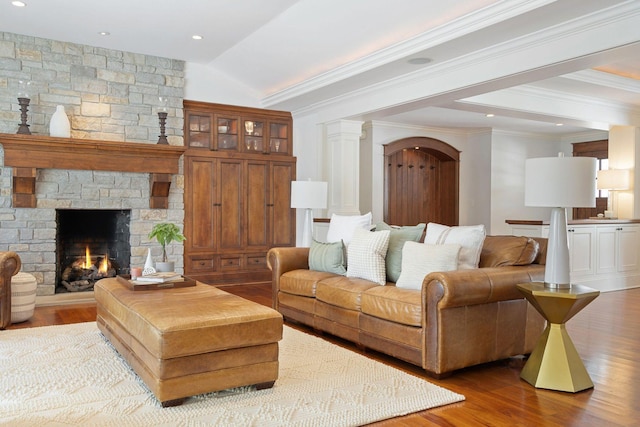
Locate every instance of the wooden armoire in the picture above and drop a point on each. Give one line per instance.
(238, 169)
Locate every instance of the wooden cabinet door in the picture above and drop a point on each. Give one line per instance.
(421, 182)
(199, 130)
(283, 220)
(199, 213)
(257, 216)
(230, 204)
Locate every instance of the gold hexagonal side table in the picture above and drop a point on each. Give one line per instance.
(555, 364)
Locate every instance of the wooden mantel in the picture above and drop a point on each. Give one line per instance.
(27, 153)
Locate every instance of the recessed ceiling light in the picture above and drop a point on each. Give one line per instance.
(490, 115)
(559, 124)
(419, 61)
(104, 33)
(18, 3)
(196, 37)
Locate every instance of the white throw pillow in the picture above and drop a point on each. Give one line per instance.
(419, 259)
(366, 255)
(341, 227)
(470, 237)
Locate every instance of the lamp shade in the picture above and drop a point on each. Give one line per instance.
(308, 194)
(613, 179)
(560, 182)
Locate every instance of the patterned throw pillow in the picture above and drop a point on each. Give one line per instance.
(341, 227)
(366, 255)
(327, 257)
(419, 259)
(470, 237)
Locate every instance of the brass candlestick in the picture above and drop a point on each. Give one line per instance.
(24, 107)
(162, 116)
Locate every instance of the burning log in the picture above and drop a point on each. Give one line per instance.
(78, 285)
(84, 272)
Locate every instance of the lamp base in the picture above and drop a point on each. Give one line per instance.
(557, 285)
(556, 273)
(307, 230)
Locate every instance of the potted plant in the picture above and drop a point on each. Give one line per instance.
(166, 233)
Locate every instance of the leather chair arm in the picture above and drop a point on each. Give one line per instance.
(9, 266)
(479, 286)
(281, 260)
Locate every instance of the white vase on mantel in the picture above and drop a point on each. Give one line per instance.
(59, 125)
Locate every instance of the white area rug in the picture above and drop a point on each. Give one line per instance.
(70, 375)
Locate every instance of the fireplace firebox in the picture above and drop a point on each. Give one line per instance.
(91, 244)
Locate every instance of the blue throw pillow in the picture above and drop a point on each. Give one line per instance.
(397, 238)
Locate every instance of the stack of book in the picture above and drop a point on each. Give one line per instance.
(158, 277)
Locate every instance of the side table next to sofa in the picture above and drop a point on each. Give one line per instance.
(555, 364)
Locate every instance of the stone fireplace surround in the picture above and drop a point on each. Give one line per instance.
(31, 232)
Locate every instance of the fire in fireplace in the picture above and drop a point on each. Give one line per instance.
(91, 244)
(82, 273)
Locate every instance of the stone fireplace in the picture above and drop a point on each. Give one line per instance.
(91, 244)
(47, 181)
(110, 97)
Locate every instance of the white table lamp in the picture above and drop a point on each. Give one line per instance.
(559, 183)
(613, 180)
(308, 195)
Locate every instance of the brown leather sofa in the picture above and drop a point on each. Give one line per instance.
(458, 319)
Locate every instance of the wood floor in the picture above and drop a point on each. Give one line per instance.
(606, 334)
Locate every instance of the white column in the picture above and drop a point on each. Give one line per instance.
(624, 153)
(342, 166)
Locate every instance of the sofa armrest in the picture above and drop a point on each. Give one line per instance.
(478, 286)
(9, 266)
(281, 260)
(474, 316)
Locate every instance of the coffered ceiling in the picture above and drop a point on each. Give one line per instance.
(297, 54)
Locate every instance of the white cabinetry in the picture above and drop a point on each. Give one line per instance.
(617, 249)
(582, 251)
(605, 256)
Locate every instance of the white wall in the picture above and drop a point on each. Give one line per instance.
(475, 195)
(509, 150)
(207, 84)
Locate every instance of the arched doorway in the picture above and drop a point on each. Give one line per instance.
(421, 182)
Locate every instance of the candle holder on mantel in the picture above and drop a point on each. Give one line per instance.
(24, 107)
(23, 101)
(162, 117)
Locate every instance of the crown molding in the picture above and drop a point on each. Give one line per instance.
(459, 27)
(628, 12)
(602, 78)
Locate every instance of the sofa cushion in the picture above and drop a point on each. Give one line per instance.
(394, 304)
(397, 237)
(419, 259)
(470, 237)
(343, 292)
(341, 227)
(329, 257)
(302, 282)
(500, 251)
(366, 255)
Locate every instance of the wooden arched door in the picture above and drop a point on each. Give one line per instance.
(421, 182)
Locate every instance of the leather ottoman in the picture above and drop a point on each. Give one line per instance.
(187, 341)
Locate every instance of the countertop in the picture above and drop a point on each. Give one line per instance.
(574, 222)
